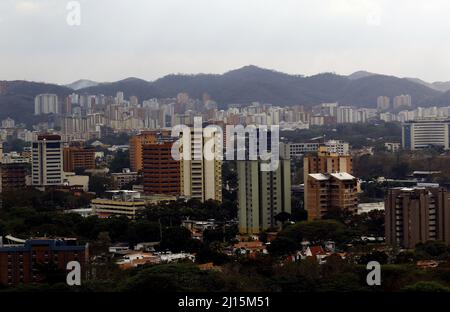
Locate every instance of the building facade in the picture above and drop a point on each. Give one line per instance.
(19, 262)
(262, 195)
(119, 203)
(331, 193)
(323, 162)
(136, 143)
(161, 172)
(78, 157)
(424, 133)
(13, 176)
(200, 178)
(47, 161)
(46, 104)
(417, 215)
(299, 149)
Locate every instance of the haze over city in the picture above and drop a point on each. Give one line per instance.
(149, 39)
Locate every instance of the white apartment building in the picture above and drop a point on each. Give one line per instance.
(46, 104)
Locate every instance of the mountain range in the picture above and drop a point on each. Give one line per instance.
(244, 85)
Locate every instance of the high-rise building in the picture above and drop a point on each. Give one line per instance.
(345, 114)
(425, 133)
(322, 162)
(262, 195)
(136, 143)
(383, 103)
(201, 178)
(47, 160)
(417, 215)
(403, 100)
(8, 123)
(46, 104)
(78, 158)
(160, 170)
(329, 193)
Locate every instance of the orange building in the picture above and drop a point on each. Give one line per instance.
(161, 172)
(78, 157)
(317, 168)
(136, 143)
(329, 193)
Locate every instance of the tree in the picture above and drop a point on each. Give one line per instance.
(426, 286)
(215, 235)
(316, 231)
(379, 256)
(172, 278)
(282, 217)
(120, 161)
(49, 273)
(282, 246)
(211, 254)
(176, 239)
(431, 249)
(98, 184)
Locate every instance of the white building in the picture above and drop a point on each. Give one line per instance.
(345, 114)
(299, 149)
(47, 160)
(383, 103)
(46, 104)
(421, 134)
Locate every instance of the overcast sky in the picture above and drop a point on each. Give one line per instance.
(152, 38)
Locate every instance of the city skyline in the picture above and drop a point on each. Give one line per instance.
(151, 39)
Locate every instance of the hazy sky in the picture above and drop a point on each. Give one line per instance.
(152, 38)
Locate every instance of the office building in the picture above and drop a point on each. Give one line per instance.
(119, 203)
(47, 160)
(262, 195)
(331, 193)
(19, 261)
(426, 133)
(78, 158)
(417, 215)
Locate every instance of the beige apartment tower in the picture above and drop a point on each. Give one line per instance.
(325, 163)
(331, 193)
(200, 177)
